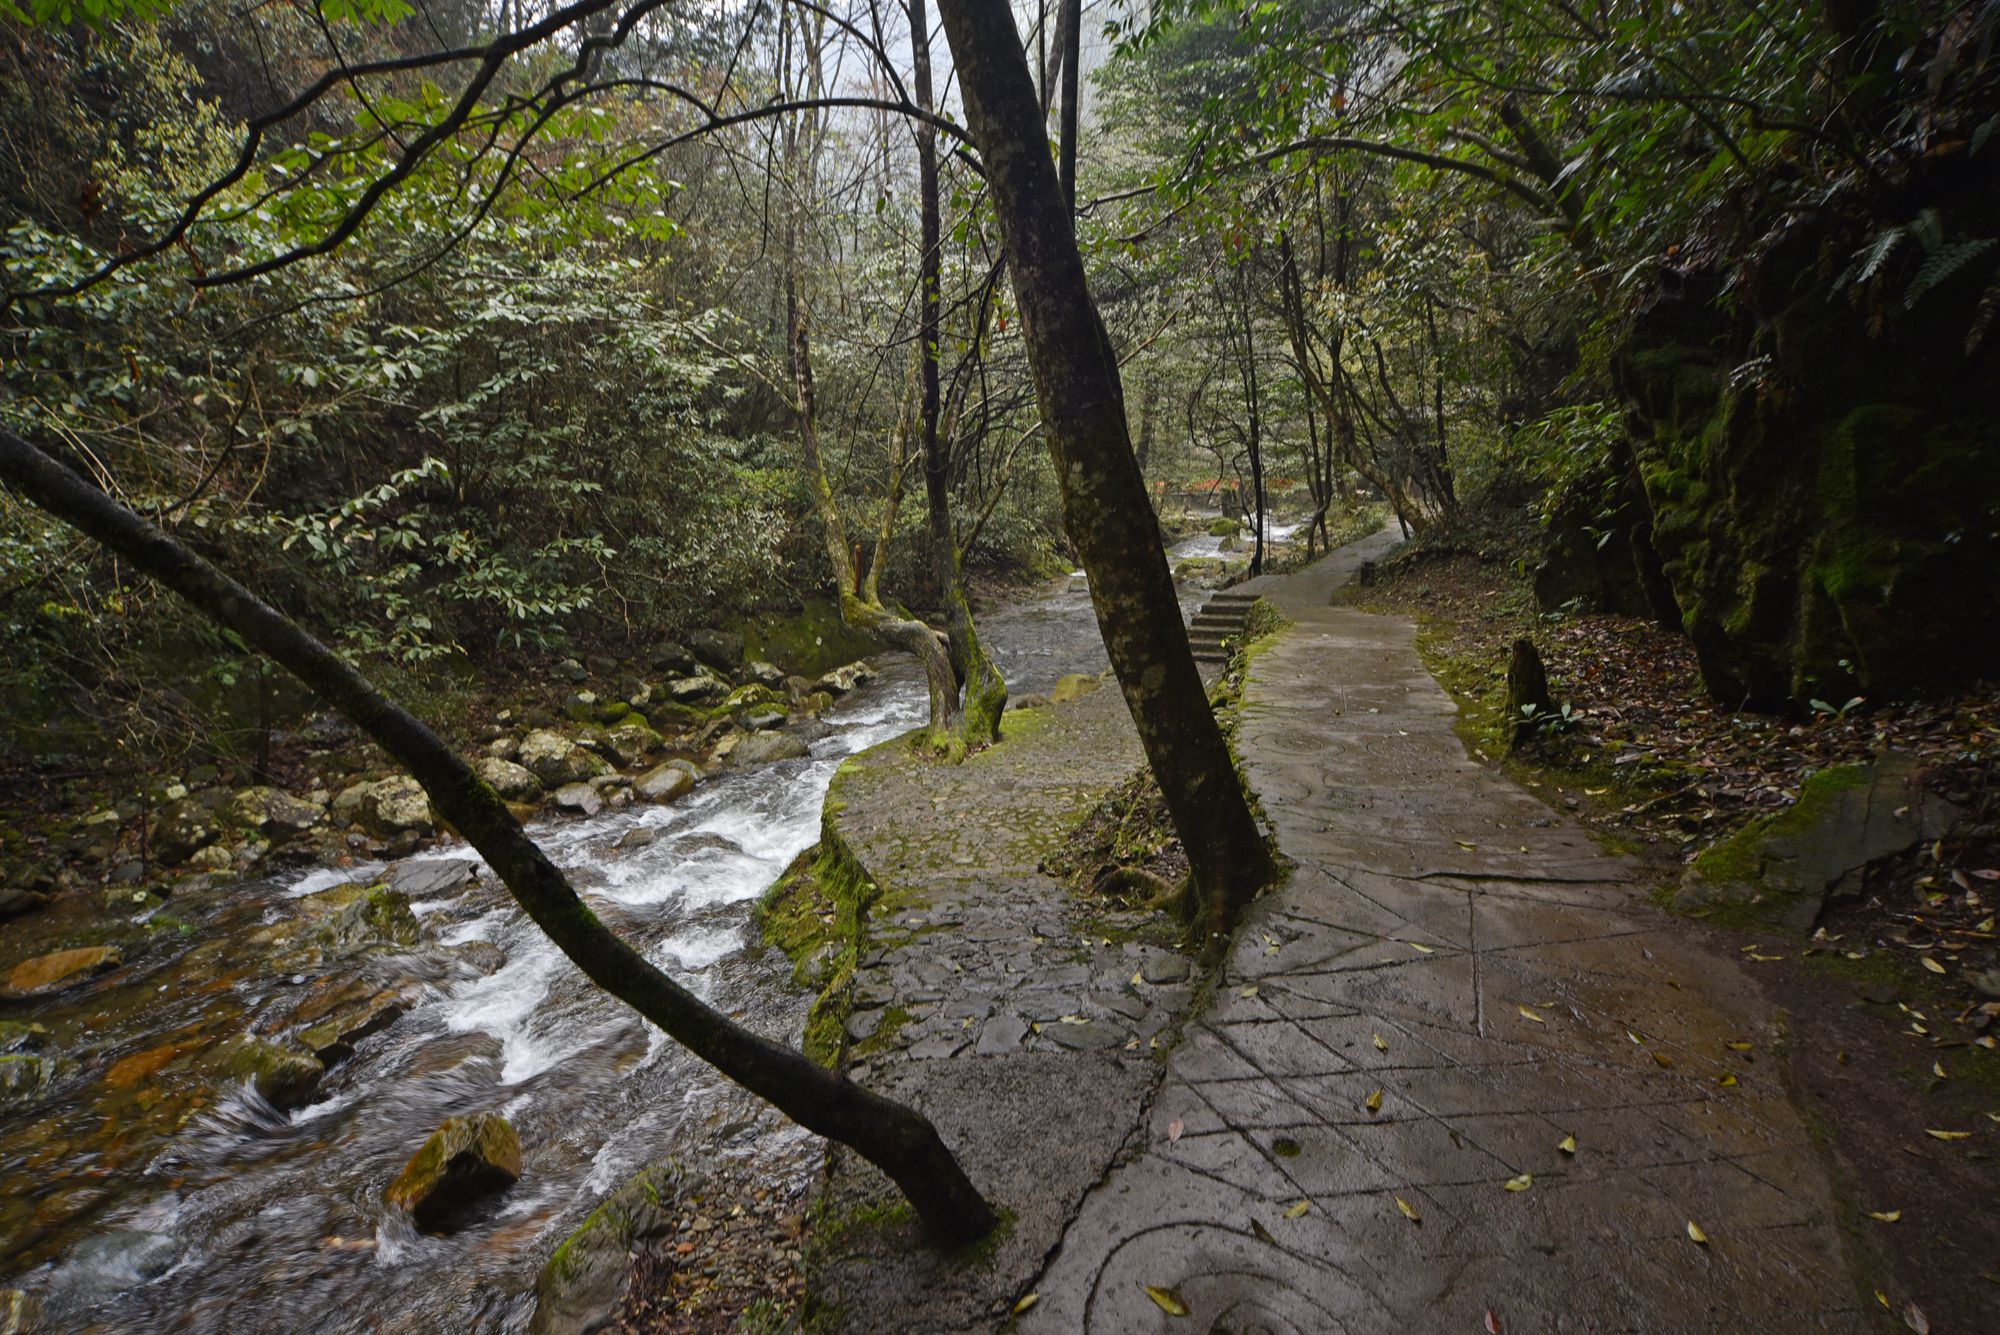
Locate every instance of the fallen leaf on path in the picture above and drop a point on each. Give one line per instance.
(1886, 1216)
(1946, 1135)
(1914, 1318)
(1567, 1144)
(1988, 874)
(1174, 1129)
(1727, 1080)
(1699, 1238)
(1422, 950)
(1409, 1211)
(1739, 1045)
(1883, 1299)
(1937, 1069)
(1263, 1234)
(1026, 1302)
(1375, 1101)
(1463, 844)
(1247, 993)
(1295, 1211)
(1766, 958)
(1381, 1043)
(1521, 1183)
(1138, 977)
(1527, 1014)
(1933, 965)
(1492, 1323)
(1167, 1300)
(1663, 1059)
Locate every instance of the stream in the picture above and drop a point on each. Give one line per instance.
(152, 1204)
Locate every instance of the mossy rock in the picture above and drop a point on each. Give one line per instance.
(584, 1282)
(1780, 869)
(1223, 528)
(285, 1077)
(1074, 686)
(466, 1160)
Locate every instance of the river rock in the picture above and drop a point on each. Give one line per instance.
(764, 747)
(718, 648)
(512, 782)
(482, 957)
(578, 799)
(844, 679)
(181, 829)
(763, 673)
(815, 702)
(569, 669)
(754, 694)
(59, 970)
(344, 919)
(1074, 686)
(352, 1012)
(122, 1258)
(22, 1036)
(633, 742)
(16, 900)
(25, 1077)
(556, 760)
(693, 690)
(505, 747)
(396, 805)
(639, 836)
(465, 1160)
(275, 813)
(283, 1076)
(668, 782)
(671, 656)
(432, 879)
(763, 718)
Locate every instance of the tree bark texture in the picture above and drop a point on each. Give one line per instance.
(895, 1138)
(985, 690)
(1103, 493)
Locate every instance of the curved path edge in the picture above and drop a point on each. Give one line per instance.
(1371, 1127)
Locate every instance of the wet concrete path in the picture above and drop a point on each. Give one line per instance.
(1455, 994)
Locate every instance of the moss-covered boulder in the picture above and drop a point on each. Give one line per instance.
(284, 1077)
(556, 760)
(584, 1282)
(1781, 869)
(466, 1160)
(1223, 527)
(25, 1079)
(514, 783)
(347, 918)
(274, 813)
(632, 742)
(1074, 686)
(180, 829)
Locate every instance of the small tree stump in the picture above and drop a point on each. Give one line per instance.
(1528, 701)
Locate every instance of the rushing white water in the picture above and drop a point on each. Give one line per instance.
(252, 1220)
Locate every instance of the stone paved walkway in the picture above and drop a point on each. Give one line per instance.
(1454, 986)
(1046, 1004)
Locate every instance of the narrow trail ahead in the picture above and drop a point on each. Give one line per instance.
(1453, 984)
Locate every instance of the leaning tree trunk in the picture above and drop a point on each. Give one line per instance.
(985, 689)
(896, 1139)
(1104, 496)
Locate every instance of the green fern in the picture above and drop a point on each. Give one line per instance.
(1942, 263)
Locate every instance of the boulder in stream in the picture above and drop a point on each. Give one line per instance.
(285, 1077)
(556, 760)
(465, 1160)
(844, 679)
(511, 781)
(761, 748)
(579, 799)
(181, 829)
(668, 782)
(275, 813)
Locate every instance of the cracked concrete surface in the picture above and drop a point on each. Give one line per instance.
(1453, 984)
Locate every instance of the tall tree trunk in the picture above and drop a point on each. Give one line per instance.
(1104, 496)
(985, 689)
(861, 606)
(896, 1139)
(1072, 29)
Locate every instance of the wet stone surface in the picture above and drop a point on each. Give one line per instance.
(1028, 1023)
(1453, 993)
